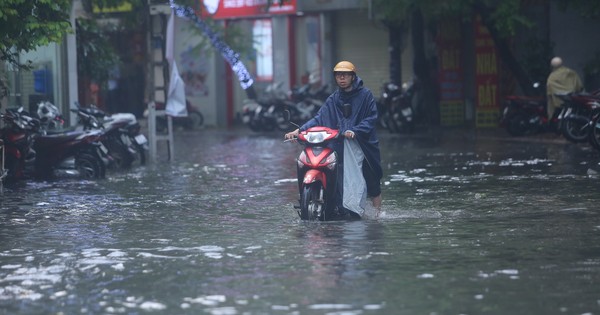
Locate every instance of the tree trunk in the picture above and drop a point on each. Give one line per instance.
(428, 107)
(395, 42)
(504, 51)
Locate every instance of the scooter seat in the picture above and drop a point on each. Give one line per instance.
(53, 139)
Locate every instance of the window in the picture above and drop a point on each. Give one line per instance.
(262, 37)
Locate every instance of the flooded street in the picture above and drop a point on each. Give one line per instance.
(473, 223)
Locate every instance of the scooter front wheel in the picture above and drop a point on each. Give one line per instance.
(312, 203)
(90, 166)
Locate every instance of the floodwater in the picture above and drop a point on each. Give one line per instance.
(472, 224)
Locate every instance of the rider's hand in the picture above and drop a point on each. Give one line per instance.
(292, 135)
(349, 134)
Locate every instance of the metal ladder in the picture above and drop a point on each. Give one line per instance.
(159, 78)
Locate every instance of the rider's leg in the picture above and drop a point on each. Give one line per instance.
(377, 202)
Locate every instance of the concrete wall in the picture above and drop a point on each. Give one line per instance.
(575, 38)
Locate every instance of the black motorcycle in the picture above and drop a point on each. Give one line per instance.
(302, 105)
(526, 115)
(122, 134)
(395, 107)
(259, 114)
(576, 115)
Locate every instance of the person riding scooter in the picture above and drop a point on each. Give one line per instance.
(357, 120)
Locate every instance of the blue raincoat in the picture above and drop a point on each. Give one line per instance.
(362, 122)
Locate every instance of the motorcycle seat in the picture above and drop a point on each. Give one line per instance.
(53, 139)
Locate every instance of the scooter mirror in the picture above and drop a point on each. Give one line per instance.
(287, 115)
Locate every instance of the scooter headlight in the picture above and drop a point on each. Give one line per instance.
(316, 137)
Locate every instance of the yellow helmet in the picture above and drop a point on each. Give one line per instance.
(344, 66)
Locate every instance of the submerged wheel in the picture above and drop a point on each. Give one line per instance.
(312, 203)
(393, 125)
(11, 166)
(254, 125)
(90, 166)
(142, 153)
(194, 120)
(576, 127)
(517, 125)
(121, 155)
(595, 132)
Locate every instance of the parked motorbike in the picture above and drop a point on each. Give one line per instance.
(395, 107)
(526, 115)
(384, 104)
(34, 152)
(79, 150)
(258, 114)
(17, 136)
(576, 115)
(193, 120)
(301, 105)
(122, 134)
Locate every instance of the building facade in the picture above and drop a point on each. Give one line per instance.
(300, 42)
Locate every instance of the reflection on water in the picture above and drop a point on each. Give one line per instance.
(469, 227)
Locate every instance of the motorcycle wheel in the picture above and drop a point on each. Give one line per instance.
(595, 132)
(254, 125)
(122, 157)
(142, 153)
(312, 202)
(90, 166)
(576, 129)
(10, 166)
(194, 120)
(517, 125)
(394, 124)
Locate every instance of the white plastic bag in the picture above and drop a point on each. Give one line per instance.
(355, 187)
(176, 97)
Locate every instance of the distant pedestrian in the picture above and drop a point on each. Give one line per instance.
(562, 80)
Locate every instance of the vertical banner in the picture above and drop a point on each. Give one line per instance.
(487, 101)
(232, 57)
(450, 73)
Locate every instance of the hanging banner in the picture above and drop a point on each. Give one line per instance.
(228, 9)
(176, 96)
(233, 58)
(450, 75)
(487, 99)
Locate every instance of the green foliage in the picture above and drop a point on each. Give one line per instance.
(95, 55)
(506, 16)
(28, 24)
(235, 37)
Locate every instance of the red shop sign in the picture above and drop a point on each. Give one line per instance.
(226, 9)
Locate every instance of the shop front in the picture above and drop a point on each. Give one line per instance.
(293, 44)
